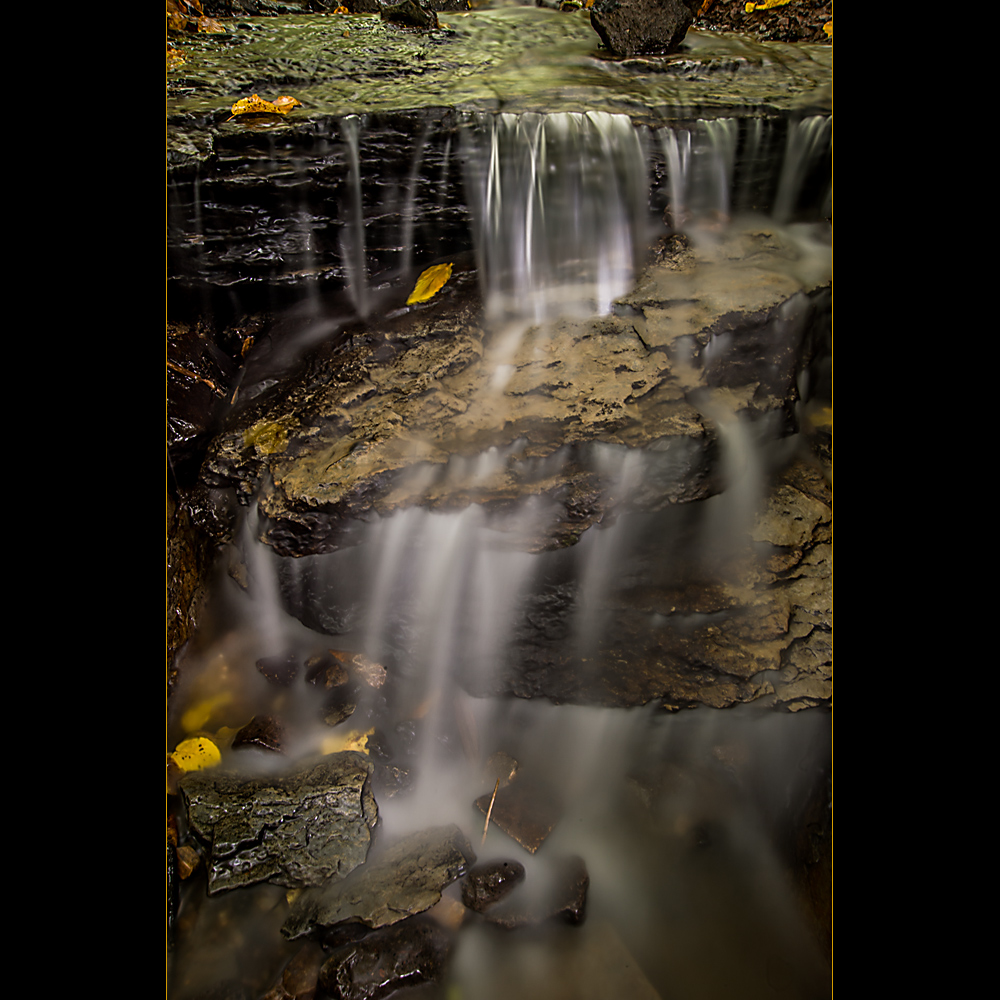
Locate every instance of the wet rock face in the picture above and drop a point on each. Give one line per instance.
(405, 880)
(406, 954)
(398, 419)
(634, 27)
(299, 830)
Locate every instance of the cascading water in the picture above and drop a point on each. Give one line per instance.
(674, 815)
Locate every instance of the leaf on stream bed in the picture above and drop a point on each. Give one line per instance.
(430, 283)
(256, 105)
(766, 5)
(196, 754)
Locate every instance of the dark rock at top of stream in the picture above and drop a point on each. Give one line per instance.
(634, 27)
(402, 880)
(301, 829)
(410, 14)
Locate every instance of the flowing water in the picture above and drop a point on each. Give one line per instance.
(685, 820)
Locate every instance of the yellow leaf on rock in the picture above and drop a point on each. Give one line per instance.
(196, 754)
(430, 283)
(766, 5)
(828, 27)
(254, 105)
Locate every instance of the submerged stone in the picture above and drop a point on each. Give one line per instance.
(488, 884)
(406, 954)
(404, 880)
(560, 894)
(524, 810)
(298, 830)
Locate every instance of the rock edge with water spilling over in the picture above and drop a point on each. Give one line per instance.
(413, 412)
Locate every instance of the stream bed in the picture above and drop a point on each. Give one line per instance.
(509, 652)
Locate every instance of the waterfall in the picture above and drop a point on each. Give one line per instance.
(559, 209)
(497, 640)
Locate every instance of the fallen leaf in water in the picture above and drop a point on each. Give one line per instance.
(766, 5)
(196, 754)
(197, 716)
(353, 740)
(256, 105)
(430, 283)
(253, 105)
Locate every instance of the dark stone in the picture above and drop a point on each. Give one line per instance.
(564, 897)
(391, 780)
(634, 27)
(488, 884)
(299, 977)
(407, 878)
(410, 14)
(280, 670)
(325, 671)
(298, 830)
(524, 810)
(338, 706)
(261, 731)
(407, 954)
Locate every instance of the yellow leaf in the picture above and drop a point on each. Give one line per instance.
(254, 105)
(197, 716)
(352, 740)
(828, 27)
(430, 283)
(766, 5)
(196, 754)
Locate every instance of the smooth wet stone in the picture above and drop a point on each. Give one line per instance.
(562, 895)
(406, 954)
(489, 883)
(280, 670)
(404, 880)
(524, 810)
(299, 977)
(261, 731)
(301, 829)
